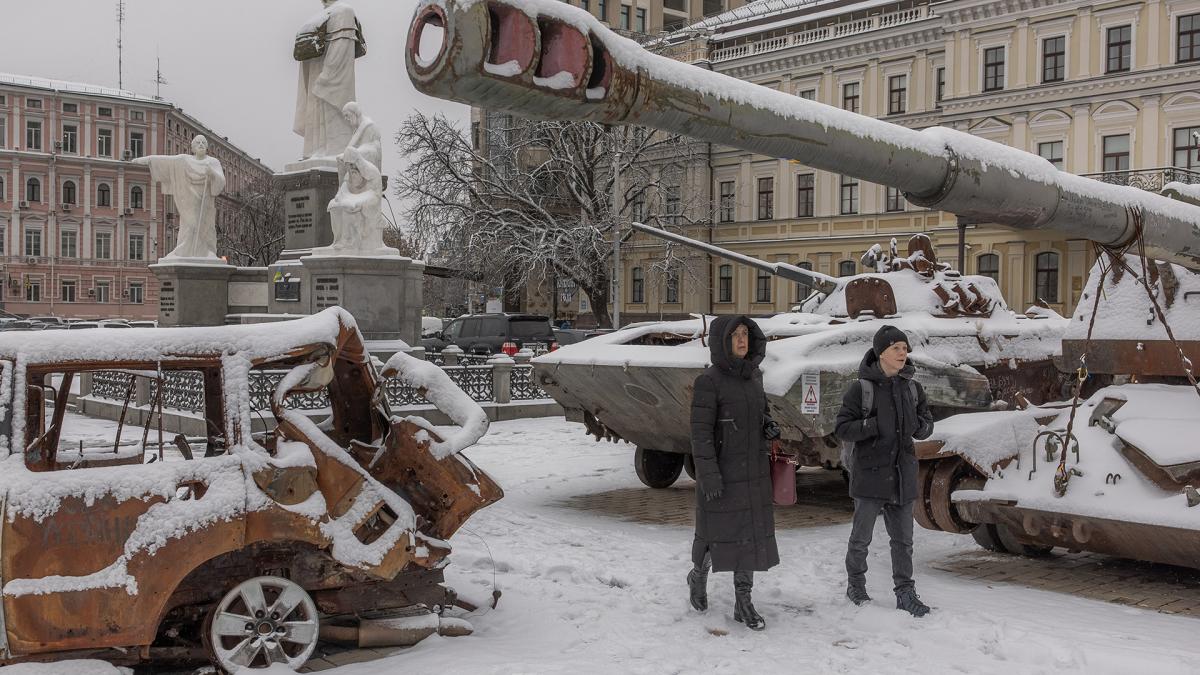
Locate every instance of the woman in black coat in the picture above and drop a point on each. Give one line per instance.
(735, 523)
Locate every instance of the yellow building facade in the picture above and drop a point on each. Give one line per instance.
(1109, 89)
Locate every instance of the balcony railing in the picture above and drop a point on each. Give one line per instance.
(824, 33)
(1152, 180)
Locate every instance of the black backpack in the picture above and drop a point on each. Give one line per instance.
(867, 389)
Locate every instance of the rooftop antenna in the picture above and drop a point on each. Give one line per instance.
(120, 32)
(159, 80)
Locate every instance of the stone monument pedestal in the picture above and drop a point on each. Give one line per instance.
(192, 293)
(383, 293)
(306, 196)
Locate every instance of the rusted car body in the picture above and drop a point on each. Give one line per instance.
(1124, 464)
(123, 552)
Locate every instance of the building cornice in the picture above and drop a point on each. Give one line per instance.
(854, 47)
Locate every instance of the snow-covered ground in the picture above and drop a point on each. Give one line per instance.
(586, 592)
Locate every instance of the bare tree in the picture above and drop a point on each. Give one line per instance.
(530, 201)
(253, 233)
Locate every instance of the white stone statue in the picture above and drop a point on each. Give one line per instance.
(326, 46)
(365, 139)
(193, 181)
(356, 211)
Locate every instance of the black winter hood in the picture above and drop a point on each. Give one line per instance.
(719, 335)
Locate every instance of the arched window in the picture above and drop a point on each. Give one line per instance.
(1046, 276)
(988, 265)
(103, 195)
(725, 283)
(637, 289)
(135, 198)
(847, 268)
(33, 190)
(68, 192)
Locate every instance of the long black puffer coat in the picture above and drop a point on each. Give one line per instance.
(729, 409)
(884, 465)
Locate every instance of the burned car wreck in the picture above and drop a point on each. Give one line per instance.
(243, 547)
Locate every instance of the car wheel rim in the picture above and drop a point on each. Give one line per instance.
(264, 621)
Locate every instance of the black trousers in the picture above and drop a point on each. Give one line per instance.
(898, 518)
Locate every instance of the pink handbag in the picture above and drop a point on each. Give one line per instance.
(783, 477)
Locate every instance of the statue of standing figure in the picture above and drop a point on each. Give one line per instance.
(193, 181)
(326, 46)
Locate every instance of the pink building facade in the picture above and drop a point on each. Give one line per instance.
(79, 224)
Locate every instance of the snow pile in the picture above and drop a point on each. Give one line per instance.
(1151, 416)
(75, 667)
(1125, 312)
(1188, 191)
(988, 439)
(441, 391)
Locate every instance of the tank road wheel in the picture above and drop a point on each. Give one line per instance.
(986, 536)
(1008, 539)
(261, 622)
(921, 511)
(657, 469)
(689, 466)
(950, 475)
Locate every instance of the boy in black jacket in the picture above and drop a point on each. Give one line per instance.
(882, 423)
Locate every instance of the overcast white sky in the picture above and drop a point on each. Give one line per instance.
(229, 62)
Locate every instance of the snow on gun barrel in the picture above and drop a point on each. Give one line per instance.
(118, 551)
(514, 56)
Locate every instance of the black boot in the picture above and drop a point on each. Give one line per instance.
(857, 594)
(698, 584)
(908, 600)
(743, 609)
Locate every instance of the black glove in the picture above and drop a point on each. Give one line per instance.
(871, 427)
(712, 488)
(771, 430)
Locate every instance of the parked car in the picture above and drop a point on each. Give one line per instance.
(49, 320)
(492, 333)
(82, 324)
(242, 546)
(431, 325)
(143, 324)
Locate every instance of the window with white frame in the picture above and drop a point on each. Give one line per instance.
(33, 289)
(1052, 151)
(1118, 46)
(104, 139)
(1187, 39)
(1186, 144)
(33, 241)
(1054, 59)
(72, 108)
(727, 201)
(33, 103)
(894, 200)
(67, 290)
(993, 69)
(137, 144)
(766, 198)
(136, 200)
(103, 290)
(104, 111)
(68, 244)
(3, 132)
(851, 96)
(33, 190)
(897, 94)
(725, 283)
(103, 247)
(137, 293)
(1046, 276)
(849, 195)
(1116, 152)
(103, 195)
(137, 246)
(70, 139)
(69, 193)
(33, 134)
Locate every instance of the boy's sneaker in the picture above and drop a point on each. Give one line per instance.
(909, 601)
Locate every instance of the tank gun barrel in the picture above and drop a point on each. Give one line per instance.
(548, 60)
(824, 283)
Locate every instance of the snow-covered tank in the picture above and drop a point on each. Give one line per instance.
(972, 353)
(1122, 474)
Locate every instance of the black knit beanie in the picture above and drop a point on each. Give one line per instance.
(886, 336)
